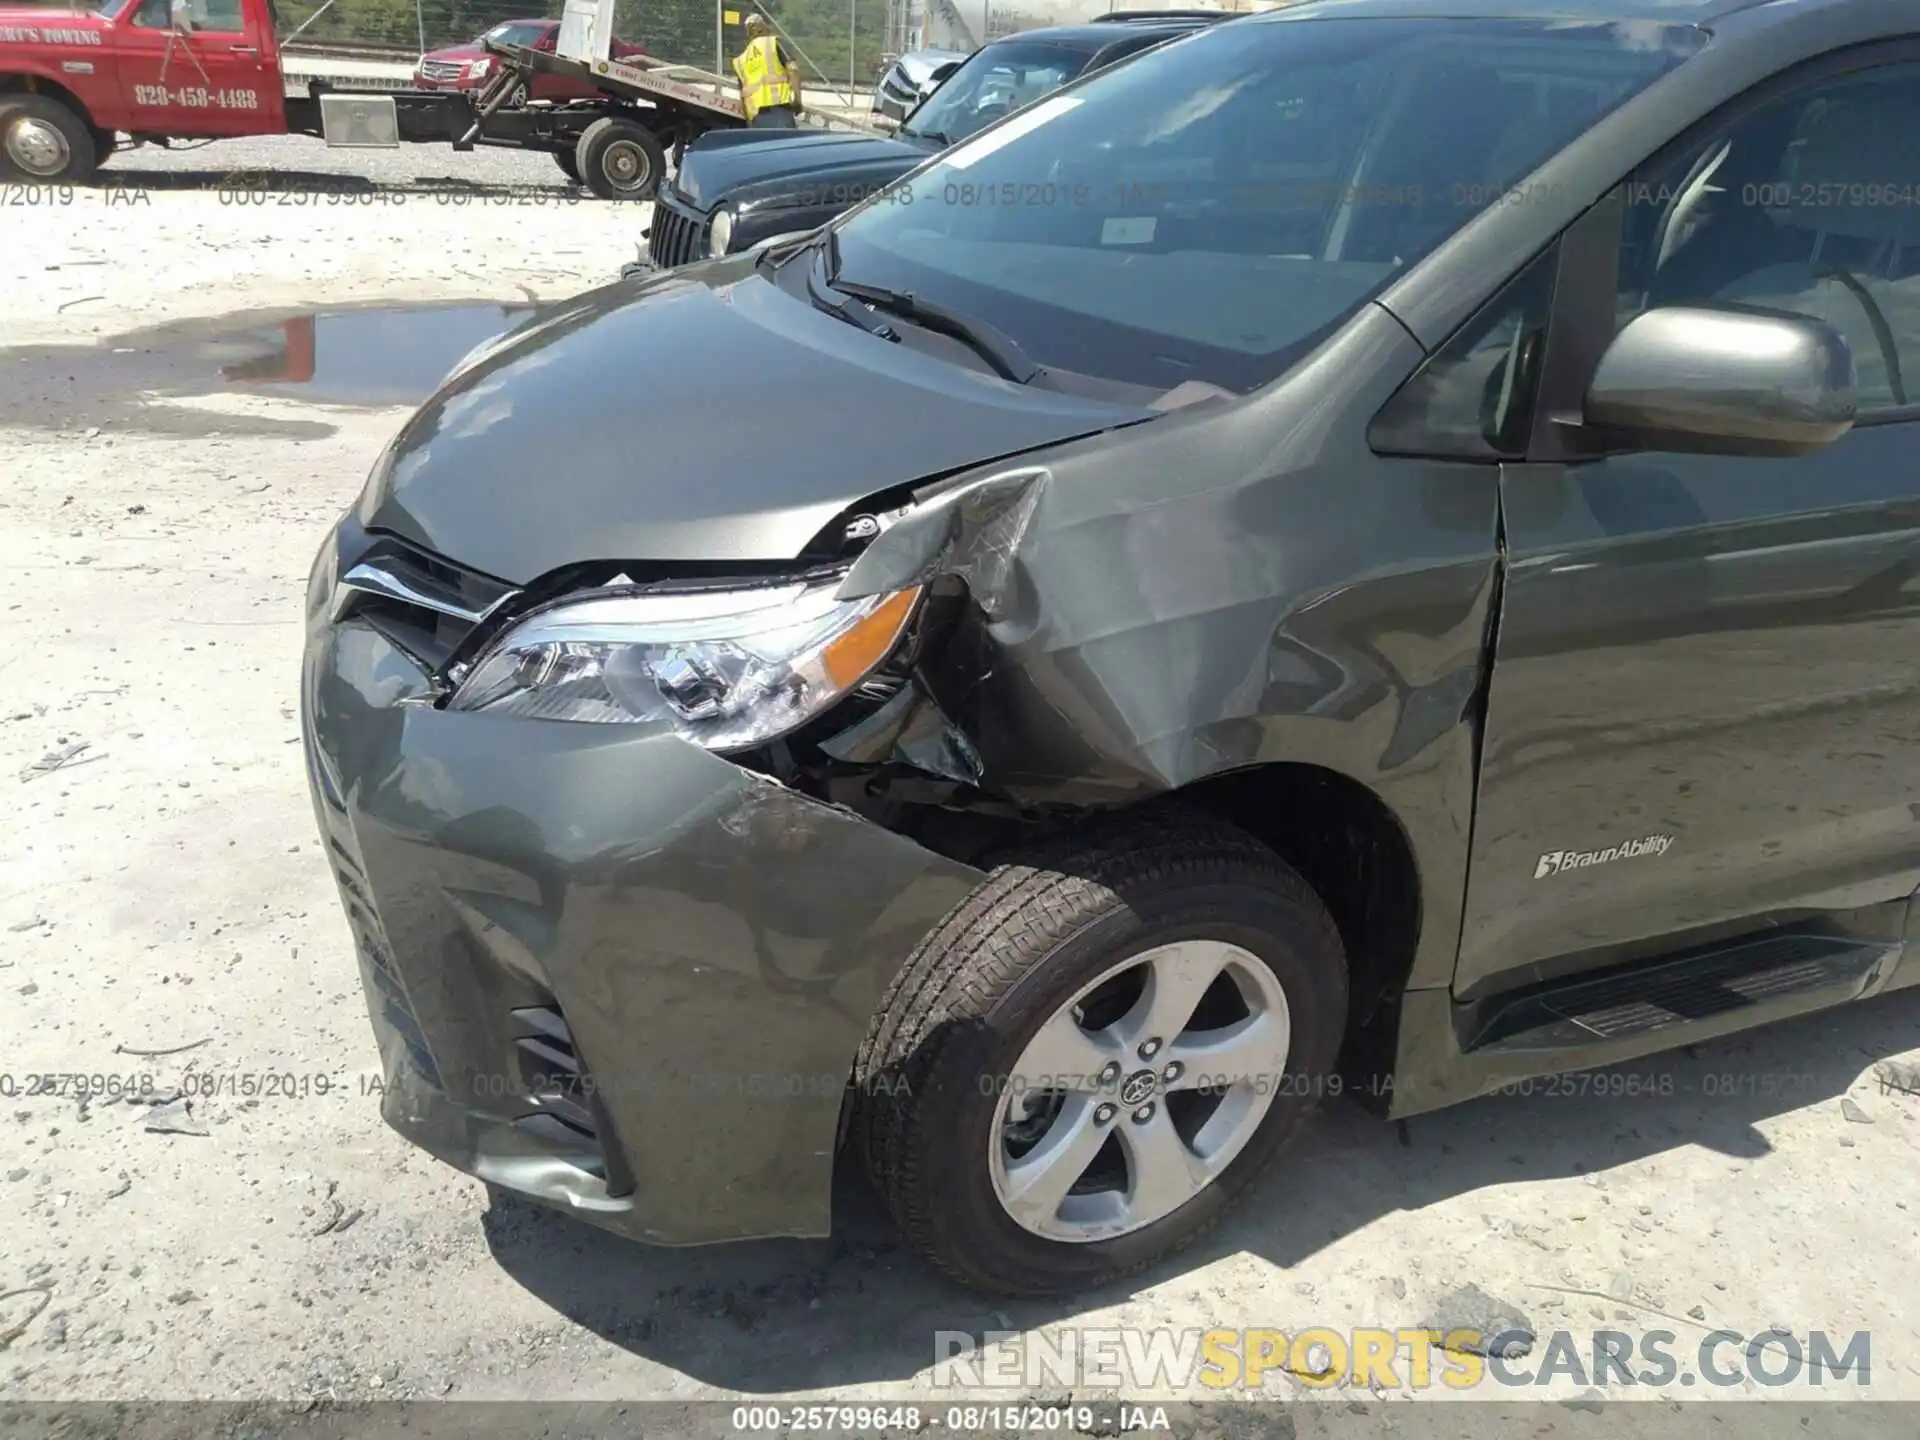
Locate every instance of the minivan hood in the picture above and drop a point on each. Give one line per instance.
(704, 415)
(709, 171)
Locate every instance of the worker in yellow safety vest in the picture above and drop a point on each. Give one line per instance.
(769, 84)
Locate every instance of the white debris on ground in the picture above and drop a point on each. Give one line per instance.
(245, 1225)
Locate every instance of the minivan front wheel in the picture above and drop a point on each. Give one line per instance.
(1096, 1054)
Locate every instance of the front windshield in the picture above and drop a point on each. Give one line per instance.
(995, 82)
(1210, 210)
(516, 33)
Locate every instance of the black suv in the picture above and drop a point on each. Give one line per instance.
(737, 188)
(1373, 550)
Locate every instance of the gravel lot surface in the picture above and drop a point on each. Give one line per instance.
(161, 890)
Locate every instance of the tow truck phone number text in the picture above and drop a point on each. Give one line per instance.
(195, 98)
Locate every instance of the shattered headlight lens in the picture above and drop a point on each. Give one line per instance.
(725, 668)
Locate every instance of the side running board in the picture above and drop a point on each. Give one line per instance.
(1768, 978)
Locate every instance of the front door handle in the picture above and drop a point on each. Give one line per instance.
(245, 50)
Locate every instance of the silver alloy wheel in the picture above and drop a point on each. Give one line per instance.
(1177, 1102)
(626, 165)
(37, 147)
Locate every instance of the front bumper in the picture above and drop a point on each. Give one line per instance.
(894, 101)
(703, 945)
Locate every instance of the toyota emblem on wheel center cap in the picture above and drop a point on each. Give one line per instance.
(1139, 1086)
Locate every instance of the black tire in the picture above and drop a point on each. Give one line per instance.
(568, 165)
(76, 153)
(1005, 960)
(619, 159)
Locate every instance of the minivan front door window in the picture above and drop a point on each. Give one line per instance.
(1806, 204)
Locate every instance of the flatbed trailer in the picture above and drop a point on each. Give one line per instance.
(616, 143)
(72, 86)
(650, 108)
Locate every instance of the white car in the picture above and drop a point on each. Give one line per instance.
(910, 79)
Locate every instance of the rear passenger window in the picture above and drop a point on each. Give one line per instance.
(1810, 204)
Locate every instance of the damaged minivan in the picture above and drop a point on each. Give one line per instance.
(1369, 552)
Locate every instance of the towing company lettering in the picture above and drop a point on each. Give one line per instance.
(47, 35)
(1556, 862)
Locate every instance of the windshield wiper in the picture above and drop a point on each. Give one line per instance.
(999, 350)
(938, 137)
(840, 307)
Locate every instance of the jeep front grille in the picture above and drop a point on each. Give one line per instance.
(677, 237)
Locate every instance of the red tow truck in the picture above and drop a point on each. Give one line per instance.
(75, 85)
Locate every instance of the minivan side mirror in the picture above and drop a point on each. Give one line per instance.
(1724, 381)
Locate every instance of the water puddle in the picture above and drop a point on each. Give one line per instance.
(373, 356)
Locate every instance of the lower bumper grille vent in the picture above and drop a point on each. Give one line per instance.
(571, 1120)
(552, 1070)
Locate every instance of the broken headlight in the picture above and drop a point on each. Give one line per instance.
(725, 668)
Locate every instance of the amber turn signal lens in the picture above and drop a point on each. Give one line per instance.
(870, 640)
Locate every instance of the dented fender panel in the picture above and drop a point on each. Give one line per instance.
(1227, 587)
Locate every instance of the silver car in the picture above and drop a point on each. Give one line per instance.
(910, 79)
